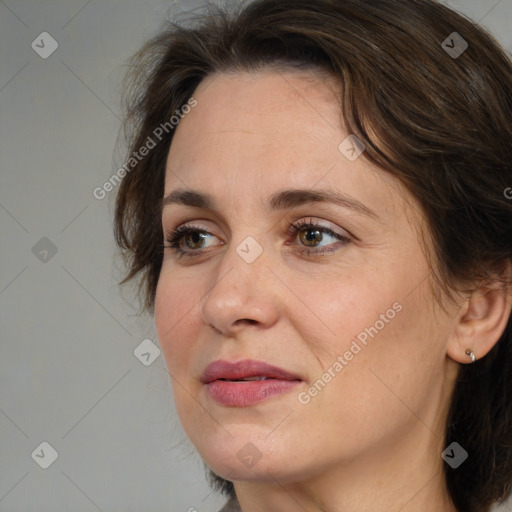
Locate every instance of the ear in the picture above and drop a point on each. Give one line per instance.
(481, 321)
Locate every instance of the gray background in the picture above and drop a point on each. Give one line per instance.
(68, 372)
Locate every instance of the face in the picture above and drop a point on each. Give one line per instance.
(335, 293)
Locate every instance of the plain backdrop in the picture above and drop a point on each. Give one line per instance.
(69, 371)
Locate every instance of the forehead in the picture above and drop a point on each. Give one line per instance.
(251, 134)
(263, 103)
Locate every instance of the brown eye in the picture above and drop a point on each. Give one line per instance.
(310, 236)
(193, 238)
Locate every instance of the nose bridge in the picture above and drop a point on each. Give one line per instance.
(240, 290)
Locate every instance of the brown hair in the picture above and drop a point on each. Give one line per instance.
(439, 122)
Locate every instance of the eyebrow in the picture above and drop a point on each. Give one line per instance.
(279, 201)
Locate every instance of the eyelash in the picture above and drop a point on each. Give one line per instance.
(175, 236)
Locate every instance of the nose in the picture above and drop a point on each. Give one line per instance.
(242, 294)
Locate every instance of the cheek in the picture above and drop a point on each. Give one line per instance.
(392, 359)
(174, 304)
(347, 308)
(375, 325)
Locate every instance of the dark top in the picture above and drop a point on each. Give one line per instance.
(231, 505)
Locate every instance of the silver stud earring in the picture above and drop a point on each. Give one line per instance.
(471, 354)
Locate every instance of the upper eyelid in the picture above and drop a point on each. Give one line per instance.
(346, 220)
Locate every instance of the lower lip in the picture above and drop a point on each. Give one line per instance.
(245, 393)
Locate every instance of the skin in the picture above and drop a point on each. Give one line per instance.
(372, 438)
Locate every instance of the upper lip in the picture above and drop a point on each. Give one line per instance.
(241, 369)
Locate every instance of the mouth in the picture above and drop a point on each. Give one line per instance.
(246, 379)
(247, 382)
(245, 370)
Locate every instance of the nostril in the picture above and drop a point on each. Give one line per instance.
(248, 320)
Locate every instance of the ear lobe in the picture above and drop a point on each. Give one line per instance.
(481, 322)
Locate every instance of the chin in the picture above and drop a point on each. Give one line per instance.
(252, 457)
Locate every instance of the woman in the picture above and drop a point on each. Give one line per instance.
(321, 227)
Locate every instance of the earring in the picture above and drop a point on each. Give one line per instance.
(471, 354)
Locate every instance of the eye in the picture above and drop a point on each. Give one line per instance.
(310, 234)
(192, 236)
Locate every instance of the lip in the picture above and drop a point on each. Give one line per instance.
(221, 379)
(242, 369)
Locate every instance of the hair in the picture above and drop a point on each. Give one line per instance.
(438, 122)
